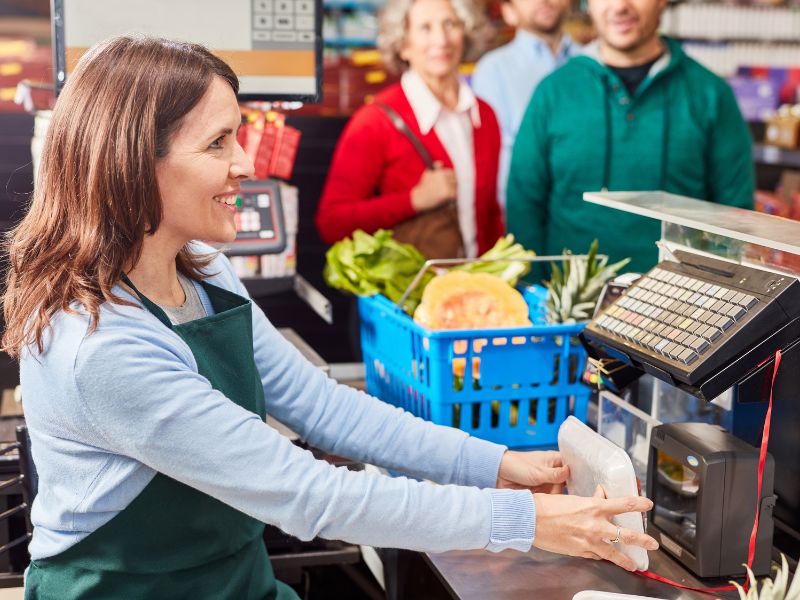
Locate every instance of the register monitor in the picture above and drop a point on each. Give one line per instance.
(260, 225)
(274, 46)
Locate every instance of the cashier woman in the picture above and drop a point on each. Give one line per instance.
(147, 373)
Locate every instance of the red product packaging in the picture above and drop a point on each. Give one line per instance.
(284, 155)
(278, 148)
(772, 203)
(265, 149)
(249, 136)
(269, 142)
(796, 206)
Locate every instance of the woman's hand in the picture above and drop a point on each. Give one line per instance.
(535, 471)
(434, 188)
(578, 526)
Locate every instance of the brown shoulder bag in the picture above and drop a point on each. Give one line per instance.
(436, 232)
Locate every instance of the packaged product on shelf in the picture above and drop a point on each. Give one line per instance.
(757, 98)
(284, 264)
(783, 128)
(772, 203)
(789, 189)
(245, 266)
(269, 142)
(21, 60)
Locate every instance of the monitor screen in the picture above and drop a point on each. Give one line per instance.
(274, 46)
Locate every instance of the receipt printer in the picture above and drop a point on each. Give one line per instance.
(703, 482)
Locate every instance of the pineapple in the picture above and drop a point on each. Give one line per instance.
(777, 589)
(573, 289)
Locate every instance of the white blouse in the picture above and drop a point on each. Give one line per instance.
(454, 129)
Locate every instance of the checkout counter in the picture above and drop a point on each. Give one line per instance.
(689, 228)
(727, 382)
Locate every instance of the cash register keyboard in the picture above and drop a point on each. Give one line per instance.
(693, 317)
(675, 315)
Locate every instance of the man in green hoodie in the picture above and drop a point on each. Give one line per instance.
(633, 113)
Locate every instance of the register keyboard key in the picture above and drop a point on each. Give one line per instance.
(736, 312)
(749, 302)
(688, 356)
(697, 344)
(724, 322)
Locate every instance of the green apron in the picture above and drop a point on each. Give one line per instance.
(173, 541)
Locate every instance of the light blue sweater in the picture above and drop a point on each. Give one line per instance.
(108, 410)
(506, 78)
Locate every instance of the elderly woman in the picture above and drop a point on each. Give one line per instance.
(446, 205)
(147, 373)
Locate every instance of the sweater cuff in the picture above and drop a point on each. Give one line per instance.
(480, 463)
(513, 520)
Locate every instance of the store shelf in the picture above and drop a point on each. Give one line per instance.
(350, 43)
(351, 6)
(754, 38)
(772, 155)
(717, 21)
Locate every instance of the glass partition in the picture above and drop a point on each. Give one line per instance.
(735, 234)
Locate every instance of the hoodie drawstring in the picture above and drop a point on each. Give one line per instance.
(607, 156)
(664, 136)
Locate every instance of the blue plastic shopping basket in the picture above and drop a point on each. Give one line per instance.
(511, 386)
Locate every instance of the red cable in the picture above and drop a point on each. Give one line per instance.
(751, 551)
(762, 457)
(704, 590)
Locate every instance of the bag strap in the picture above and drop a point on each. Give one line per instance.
(403, 128)
(151, 306)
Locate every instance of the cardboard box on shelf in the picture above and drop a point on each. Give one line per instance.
(783, 128)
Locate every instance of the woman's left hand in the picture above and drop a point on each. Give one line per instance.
(541, 472)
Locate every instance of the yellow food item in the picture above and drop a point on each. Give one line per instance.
(460, 300)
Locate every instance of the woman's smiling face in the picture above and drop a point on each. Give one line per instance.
(201, 174)
(434, 40)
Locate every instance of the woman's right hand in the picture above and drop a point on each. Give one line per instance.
(578, 526)
(434, 188)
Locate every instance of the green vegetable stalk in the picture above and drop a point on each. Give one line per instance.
(366, 265)
(573, 289)
(511, 271)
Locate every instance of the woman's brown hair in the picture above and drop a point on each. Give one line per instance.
(96, 195)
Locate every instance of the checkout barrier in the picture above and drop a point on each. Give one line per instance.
(510, 386)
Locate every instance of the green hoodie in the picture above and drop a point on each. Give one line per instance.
(681, 132)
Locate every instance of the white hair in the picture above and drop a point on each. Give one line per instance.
(394, 25)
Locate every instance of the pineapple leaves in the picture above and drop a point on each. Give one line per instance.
(771, 589)
(575, 286)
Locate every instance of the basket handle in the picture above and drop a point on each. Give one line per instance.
(436, 262)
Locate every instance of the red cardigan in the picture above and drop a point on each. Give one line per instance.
(374, 168)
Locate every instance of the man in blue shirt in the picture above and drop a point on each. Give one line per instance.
(507, 76)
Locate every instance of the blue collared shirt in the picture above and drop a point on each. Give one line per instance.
(506, 78)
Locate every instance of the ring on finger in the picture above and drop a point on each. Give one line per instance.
(616, 539)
